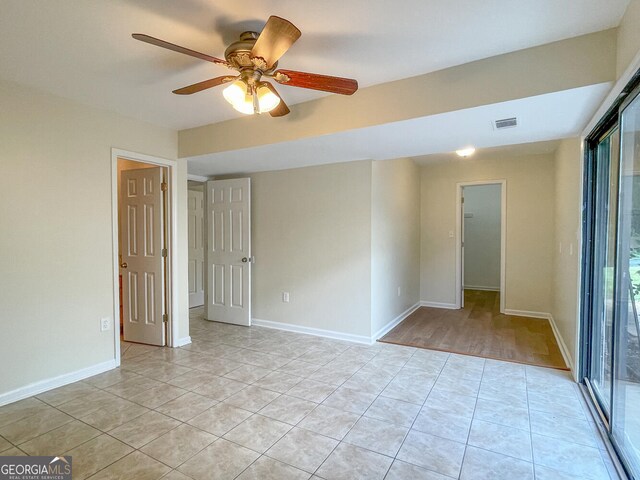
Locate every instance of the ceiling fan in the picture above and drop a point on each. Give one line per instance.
(256, 57)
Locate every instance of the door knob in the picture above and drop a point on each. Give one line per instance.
(123, 265)
(245, 259)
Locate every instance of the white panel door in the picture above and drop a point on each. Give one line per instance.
(142, 266)
(196, 248)
(228, 254)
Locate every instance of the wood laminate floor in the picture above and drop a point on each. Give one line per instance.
(480, 329)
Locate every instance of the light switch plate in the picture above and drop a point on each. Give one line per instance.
(105, 324)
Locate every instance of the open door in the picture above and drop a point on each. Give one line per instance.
(228, 256)
(196, 248)
(462, 250)
(142, 255)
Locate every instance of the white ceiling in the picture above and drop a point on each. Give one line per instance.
(541, 118)
(82, 49)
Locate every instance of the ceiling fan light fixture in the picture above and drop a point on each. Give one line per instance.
(240, 96)
(465, 152)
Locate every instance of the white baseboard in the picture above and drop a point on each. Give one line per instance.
(449, 306)
(393, 323)
(481, 288)
(563, 346)
(318, 332)
(55, 382)
(526, 313)
(181, 342)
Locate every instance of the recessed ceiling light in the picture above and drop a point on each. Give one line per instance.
(466, 152)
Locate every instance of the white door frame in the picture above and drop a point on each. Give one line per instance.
(503, 238)
(172, 258)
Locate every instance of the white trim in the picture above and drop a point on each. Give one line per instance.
(393, 323)
(527, 313)
(563, 346)
(503, 239)
(197, 178)
(318, 332)
(181, 342)
(448, 306)
(55, 382)
(484, 289)
(173, 270)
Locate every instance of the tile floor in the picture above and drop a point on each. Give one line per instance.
(255, 403)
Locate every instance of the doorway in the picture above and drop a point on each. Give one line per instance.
(144, 192)
(481, 245)
(195, 208)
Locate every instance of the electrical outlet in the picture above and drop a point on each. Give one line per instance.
(105, 324)
(399, 291)
(285, 297)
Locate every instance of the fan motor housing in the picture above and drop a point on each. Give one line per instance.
(238, 54)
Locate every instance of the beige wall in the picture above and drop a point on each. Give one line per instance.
(311, 236)
(530, 227)
(55, 230)
(395, 239)
(568, 179)
(628, 39)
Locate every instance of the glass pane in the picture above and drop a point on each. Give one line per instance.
(604, 266)
(626, 386)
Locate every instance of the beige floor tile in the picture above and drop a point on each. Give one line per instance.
(143, 429)
(96, 454)
(192, 379)
(220, 419)
(349, 400)
(115, 414)
(87, 404)
(303, 449)
(156, 396)
(4, 444)
(266, 468)
(135, 465)
(61, 439)
(288, 409)
(377, 436)
(311, 390)
(447, 402)
(247, 373)
(559, 426)
(31, 427)
(64, 394)
(443, 424)
(483, 465)
(516, 416)
(405, 471)
(501, 439)
(278, 382)
(252, 398)
(110, 378)
(393, 411)
(222, 460)
(433, 453)
(566, 457)
(178, 445)
(175, 475)
(329, 422)
(348, 462)
(220, 388)
(258, 433)
(186, 406)
(17, 411)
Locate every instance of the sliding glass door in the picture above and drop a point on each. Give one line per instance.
(611, 281)
(625, 411)
(604, 256)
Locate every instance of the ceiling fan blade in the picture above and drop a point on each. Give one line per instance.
(198, 87)
(325, 83)
(281, 110)
(177, 48)
(276, 38)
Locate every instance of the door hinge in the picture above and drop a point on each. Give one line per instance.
(165, 318)
(164, 187)
(164, 252)
(462, 199)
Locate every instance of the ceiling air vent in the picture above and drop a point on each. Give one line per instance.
(506, 123)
